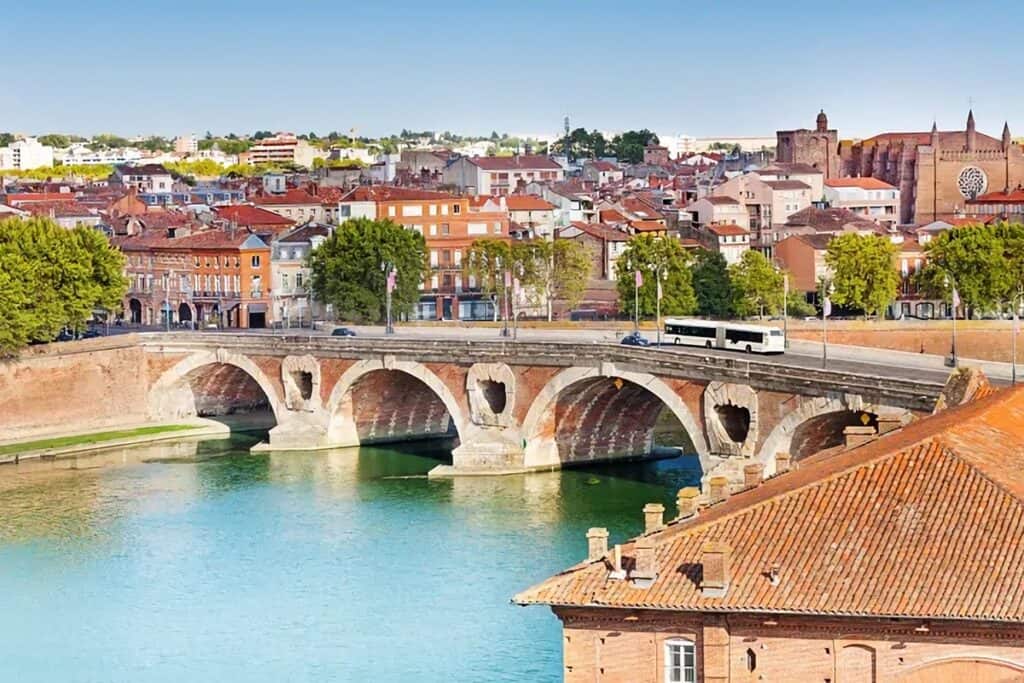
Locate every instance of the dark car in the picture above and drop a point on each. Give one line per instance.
(635, 339)
(91, 333)
(343, 332)
(65, 335)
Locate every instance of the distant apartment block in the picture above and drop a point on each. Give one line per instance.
(501, 175)
(25, 154)
(283, 148)
(871, 198)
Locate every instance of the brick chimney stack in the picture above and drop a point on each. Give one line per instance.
(715, 560)
(686, 501)
(857, 435)
(753, 473)
(654, 517)
(718, 488)
(646, 567)
(597, 543)
(888, 423)
(783, 461)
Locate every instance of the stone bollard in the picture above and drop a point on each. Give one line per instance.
(718, 488)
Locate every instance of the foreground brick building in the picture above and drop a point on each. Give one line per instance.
(899, 559)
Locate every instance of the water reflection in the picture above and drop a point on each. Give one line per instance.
(198, 560)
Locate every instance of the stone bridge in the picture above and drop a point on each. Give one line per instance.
(506, 406)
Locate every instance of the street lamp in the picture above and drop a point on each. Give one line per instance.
(391, 273)
(1015, 303)
(826, 310)
(954, 301)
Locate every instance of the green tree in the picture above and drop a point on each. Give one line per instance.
(977, 259)
(347, 269)
(757, 285)
(553, 270)
(6, 139)
(648, 253)
(629, 146)
(55, 140)
(108, 141)
(486, 262)
(711, 284)
(53, 278)
(864, 274)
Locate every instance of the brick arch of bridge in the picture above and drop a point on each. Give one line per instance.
(810, 409)
(581, 414)
(173, 395)
(378, 401)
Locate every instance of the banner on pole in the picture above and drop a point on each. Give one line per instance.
(826, 308)
(639, 279)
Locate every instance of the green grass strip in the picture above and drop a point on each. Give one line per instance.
(86, 439)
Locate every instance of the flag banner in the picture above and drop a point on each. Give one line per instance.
(956, 301)
(639, 279)
(826, 308)
(391, 280)
(659, 289)
(508, 279)
(515, 285)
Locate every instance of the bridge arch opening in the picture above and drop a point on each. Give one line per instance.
(406, 402)
(226, 389)
(825, 431)
(582, 417)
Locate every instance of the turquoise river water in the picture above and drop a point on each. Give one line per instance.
(196, 561)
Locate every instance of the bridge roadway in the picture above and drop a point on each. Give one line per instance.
(896, 385)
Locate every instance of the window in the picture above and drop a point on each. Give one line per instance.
(391, 211)
(456, 209)
(751, 660)
(255, 260)
(444, 228)
(680, 661)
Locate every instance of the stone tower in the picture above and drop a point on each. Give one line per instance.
(818, 148)
(971, 132)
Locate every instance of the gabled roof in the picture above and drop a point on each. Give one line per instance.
(925, 522)
(727, 229)
(390, 193)
(648, 226)
(532, 162)
(721, 200)
(786, 184)
(528, 202)
(600, 231)
(243, 214)
(290, 196)
(829, 220)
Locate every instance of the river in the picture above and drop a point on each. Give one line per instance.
(196, 561)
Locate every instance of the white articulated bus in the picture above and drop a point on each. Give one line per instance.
(719, 335)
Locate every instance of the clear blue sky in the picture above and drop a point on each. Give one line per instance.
(678, 66)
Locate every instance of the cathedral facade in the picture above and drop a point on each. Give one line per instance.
(937, 172)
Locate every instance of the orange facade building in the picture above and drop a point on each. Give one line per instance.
(449, 225)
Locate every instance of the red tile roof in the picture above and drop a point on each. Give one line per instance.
(601, 231)
(1012, 197)
(532, 162)
(390, 193)
(727, 229)
(862, 183)
(925, 522)
(648, 226)
(17, 199)
(243, 214)
(291, 196)
(528, 202)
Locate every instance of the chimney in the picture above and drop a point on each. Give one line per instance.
(888, 423)
(718, 488)
(714, 561)
(857, 435)
(753, 473)
(686, 501)
(783, 461)
(646, 567)
(654, 517)
(597, 543)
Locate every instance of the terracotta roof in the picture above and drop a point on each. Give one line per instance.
(829, 220)
(727, 229)
(61, 209)
(17, 198)
(1012, 197)
(528, 202)
(602, 165)
(789, 168)
(243, 214)
(390, 193)
(612, 216)
(787, 184)
(600, 231)
(648, 226)
(862, 183)
(516, 163)
(721, 200)
(818, 240)
(925, 522)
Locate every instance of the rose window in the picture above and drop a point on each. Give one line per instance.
(972, 182)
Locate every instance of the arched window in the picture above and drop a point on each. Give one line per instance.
(751, 660)
(680, 661)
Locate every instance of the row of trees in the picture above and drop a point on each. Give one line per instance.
(349, 269)
(627, 147)
(51, 278)
(700, 282)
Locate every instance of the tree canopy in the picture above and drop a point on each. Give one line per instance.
(629, 146)
(647, 253)
(552, 271)
(583, 144)
(711, 284)
(986, 262)
(864, 275)
(757, 286)
(347, 269)
(52, 277)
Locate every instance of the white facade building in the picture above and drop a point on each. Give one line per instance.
(26, 154)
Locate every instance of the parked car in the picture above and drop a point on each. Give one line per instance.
(635, 339)
(91, 333)
(343, 332)
(65, 335)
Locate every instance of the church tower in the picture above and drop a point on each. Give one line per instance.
(822, 122)
(972, 134)
(1007, 140)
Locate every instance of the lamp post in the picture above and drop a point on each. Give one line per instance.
(391, 274)
(954, 301)
(1015, 302)
(826, 311)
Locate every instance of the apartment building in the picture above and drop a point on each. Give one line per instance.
(25, 154)
(283, 148)
(871, 198)
(501, 175)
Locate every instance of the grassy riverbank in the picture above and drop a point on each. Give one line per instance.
(89, 439)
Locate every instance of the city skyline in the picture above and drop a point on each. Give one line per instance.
(225, 69)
